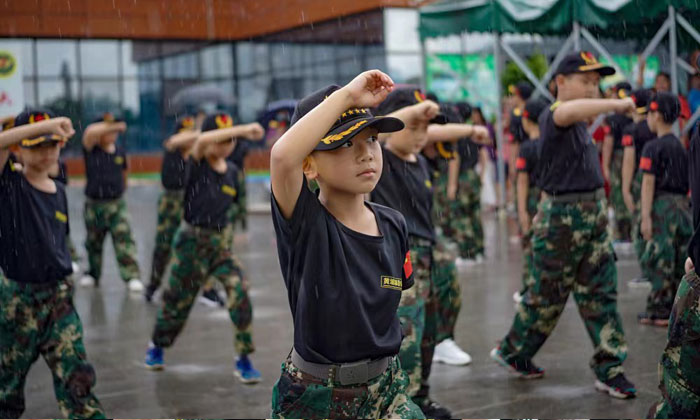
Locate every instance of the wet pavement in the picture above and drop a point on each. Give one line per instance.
(198, 380)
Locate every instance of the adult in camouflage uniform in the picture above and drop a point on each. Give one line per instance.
(297, 395)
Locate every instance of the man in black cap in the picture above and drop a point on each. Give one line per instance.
(612, 165)
(665, 209)
(571, 248)
(528, 192)
(345, 261)
(37, 315)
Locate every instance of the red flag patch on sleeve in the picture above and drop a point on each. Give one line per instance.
(521, 164)
(645, 164)
(407, 266)
(627, 140)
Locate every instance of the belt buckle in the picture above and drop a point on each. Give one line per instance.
(353, 373)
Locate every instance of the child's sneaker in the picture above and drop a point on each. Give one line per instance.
(150, 291)
(245, 372)
(449, 353)
(154, 358)
(135, 286)
(76, 268)
(524, 369)
(87, 281)
(212, 298)
(617, 387)
(646, 318)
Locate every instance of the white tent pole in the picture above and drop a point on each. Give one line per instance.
(424, 65)
(499, 118)
(656, 40)
(525, 69)
(565, 49)
(602, 51)
(685, 66)
(577, 36)
(688, 27)
(673, 42)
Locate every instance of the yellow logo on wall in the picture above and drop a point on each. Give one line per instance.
(8, 64)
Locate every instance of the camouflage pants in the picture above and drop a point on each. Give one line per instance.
(170, 210)
(418, 315)
(571, 252)
(664, 256)
(198, 255)
(102, 217)
(448, 291)
(239, 211)
(678, 371)
(41, 320)
(533, 197)
(298, 395)
(71, 248)
(623, 218)
(637, 238)
(465, 227)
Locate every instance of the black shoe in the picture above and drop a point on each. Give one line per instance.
(656, 320)
(433, 410)
(212, 298)
(149, 292)
(617, 387)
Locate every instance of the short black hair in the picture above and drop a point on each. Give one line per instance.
(663, 74)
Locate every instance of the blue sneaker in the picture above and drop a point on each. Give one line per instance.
(154, 358)
(245, 372)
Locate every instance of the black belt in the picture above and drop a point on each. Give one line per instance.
(346, 373)
(576, 197)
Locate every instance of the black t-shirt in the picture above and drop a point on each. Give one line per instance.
(694, 170)
(568, 157)
(468, 154)
(617, 124)
(527, 160)
(343, 286)
(407, 187)
(33, 230)
(209, 194)
(173, 172)
(667, 160)
(516, 126)
(105, 173)
(637, 135)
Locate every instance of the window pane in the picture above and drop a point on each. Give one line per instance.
(99, 97)
(253, 97)
(130, 87)
(244, 58)
(52, 91)
(216, 61)
(29, 93)
(99, 58)
(24, 51)
(129, 66)
(143, 114)
(56, 58)
(149, 69)
(184, 66)
(405, 68)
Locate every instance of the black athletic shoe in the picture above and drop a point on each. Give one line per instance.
(149, 292)
(212, 298)
(656, 320)
(617, 387)
(433, 410)
(524, 369)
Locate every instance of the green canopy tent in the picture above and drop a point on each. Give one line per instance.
(643, 20)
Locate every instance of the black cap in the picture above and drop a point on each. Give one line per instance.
(446, 149)
(583, 62)
(522, 89)
(31, 116)
(432, 96)
(401, 98)
(217, 121)
(667, 104)
(533, 109)
(641, 98)
(107, 117)
(348, 124)
(8, 123)
(465, 110)
(184, 123)
(622, 90)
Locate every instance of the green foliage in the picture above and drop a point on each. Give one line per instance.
(512, 74)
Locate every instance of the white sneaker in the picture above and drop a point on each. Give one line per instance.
(135, 285)
(517, 297)
(465, 262)
(87, 281)
(449, 353)
(479, 259)
(75, 266)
